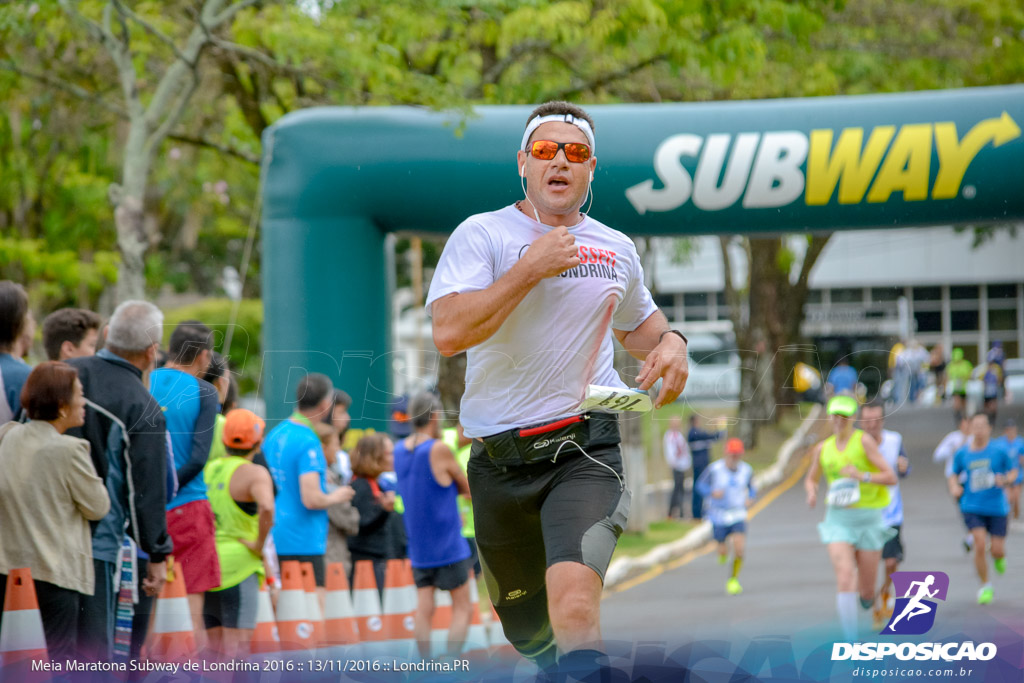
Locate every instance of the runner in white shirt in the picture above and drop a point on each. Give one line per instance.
(529, 291)
(677, 455)
(944, 453)
(890, 444)
(728, 489)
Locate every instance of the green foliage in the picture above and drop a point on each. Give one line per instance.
(246, 352)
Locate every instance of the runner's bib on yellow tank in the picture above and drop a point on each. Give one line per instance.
(846, 492)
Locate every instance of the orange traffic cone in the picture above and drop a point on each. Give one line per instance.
(476, 636)
(367, 607)
(294, 628)
(339, 617)
(264, 636)
(173, 639)
(21, 637)
(399, 607)
(313, 610)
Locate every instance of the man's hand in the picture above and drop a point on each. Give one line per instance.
(551, 254)
(342, 494)
(668, 361)
(387, 501)
(718, 494)
(155, 579)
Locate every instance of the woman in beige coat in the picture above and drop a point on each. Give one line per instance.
(49, 492)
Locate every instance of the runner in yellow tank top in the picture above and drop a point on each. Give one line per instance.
(857, 475)
(242, 498)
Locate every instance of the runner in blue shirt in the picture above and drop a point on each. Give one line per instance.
(842, 378)
(14, 317)
(1014, 444)
(299, 468)
(988, 468)
(728, 490)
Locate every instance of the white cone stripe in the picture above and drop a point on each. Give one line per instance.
(313, 607)
(264, 609)
(476, 638)
(400, 600)
(338, 605)
(291, 605)
(22, 630)
(366, 601)
(172, 616)
(442, 598)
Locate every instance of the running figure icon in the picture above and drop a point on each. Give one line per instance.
(915, 607)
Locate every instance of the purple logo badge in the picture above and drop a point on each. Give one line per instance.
(914, 613)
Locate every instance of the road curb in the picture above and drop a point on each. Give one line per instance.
(626, 568)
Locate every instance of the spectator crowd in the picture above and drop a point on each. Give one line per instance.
(122, 463)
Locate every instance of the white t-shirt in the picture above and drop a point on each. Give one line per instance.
(677, 451)
(531, 369)
(890, 448)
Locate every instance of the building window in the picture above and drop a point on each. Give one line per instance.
(930, 321)
(848, 295)
(964, 321)
(665, 301)
(927, 293)
(1002, 319)
(695, 299)
(696, 314)
(1002, 292)
(721, 299)
(881, 294)
(814, 296)
(958, 292)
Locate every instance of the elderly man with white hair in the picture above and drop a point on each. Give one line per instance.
(126, 431)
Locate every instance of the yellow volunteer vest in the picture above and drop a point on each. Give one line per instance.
(833, 460)
(237, 563)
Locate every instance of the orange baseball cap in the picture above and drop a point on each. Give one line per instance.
(243, 429)
(734, 446)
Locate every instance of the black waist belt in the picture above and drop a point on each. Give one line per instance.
(540, 442)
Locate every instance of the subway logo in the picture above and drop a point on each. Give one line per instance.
(857, 165)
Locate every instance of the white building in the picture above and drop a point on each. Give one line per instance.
(956, 295)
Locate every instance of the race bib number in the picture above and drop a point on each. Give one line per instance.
(611, 399)
(843, 493)
(733, 516)
(981, 479)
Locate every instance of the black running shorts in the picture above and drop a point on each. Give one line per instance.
(530, 517)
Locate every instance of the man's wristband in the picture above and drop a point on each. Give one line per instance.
(681, 336)
(865, 477)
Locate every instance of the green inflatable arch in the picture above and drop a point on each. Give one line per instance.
(338, 180)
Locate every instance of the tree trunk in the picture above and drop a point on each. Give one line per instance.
(451, 382)
(129, 214)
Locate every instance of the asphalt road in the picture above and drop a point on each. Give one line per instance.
(789, 587)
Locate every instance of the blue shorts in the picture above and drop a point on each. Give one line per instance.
(995, 525)
(721, 531)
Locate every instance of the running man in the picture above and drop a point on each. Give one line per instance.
(959, 373)
(914, 606)
(728, 489)
(529, 291)
(944, 453)
(1014, 444)
(890, 443)
(858, 476)
(982, 498)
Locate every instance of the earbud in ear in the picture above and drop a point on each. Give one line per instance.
(591, 176)
(522, 171)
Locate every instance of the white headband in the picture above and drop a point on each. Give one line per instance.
(537, 121)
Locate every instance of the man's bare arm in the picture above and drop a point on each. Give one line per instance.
(664, 355)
